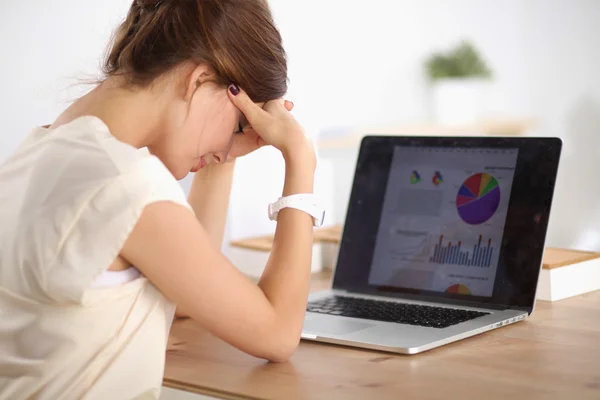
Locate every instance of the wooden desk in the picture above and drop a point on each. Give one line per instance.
(553, 355)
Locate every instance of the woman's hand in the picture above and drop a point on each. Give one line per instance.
(250, 140)
(273, 125)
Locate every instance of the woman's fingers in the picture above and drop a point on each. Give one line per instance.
(256, 116)
(273, 122)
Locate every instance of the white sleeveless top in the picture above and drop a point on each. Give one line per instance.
(69, 198)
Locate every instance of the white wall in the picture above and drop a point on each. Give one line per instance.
(351, 63)
(360, 63)
(48, 49)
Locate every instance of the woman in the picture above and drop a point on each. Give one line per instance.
(97, 241)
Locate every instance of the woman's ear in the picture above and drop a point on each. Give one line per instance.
(201, 74)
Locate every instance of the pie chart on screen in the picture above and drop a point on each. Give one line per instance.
(458, 289)
(478, 198)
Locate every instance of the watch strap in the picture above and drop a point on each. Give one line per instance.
(306, 202)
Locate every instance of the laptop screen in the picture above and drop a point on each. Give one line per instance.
(443, 218)
(459, 220)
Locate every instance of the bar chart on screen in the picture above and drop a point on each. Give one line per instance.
(480, 255)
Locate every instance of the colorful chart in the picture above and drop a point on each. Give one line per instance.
(415, 177)
(456, 254)
(458, 289)
(478, 198)
(437, 179)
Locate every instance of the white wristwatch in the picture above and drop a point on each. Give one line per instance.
(304, 202)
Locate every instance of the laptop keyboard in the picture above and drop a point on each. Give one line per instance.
(387, 311)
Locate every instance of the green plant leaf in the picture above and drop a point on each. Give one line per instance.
(463, 61)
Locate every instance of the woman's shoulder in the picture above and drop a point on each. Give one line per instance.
(86, 142)
(80, 163)
(84, 154)
(102, 157)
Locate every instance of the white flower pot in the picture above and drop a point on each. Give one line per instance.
(460, 101)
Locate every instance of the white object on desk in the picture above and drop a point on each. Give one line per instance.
(569, 280)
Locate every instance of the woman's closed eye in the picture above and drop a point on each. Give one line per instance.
(240, 129)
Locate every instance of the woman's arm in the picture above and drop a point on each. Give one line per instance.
(178, 255)
(209, 197)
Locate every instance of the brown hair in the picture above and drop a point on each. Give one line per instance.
(237, 38)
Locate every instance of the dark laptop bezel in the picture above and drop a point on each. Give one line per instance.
(524, 235)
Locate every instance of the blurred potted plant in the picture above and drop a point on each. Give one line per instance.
(460, 81)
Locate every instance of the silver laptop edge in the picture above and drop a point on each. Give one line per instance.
(394, 337)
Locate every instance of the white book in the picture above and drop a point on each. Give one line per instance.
(568, 273)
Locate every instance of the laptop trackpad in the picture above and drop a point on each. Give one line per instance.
(333, 326)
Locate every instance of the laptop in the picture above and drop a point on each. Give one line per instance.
(443, 240)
